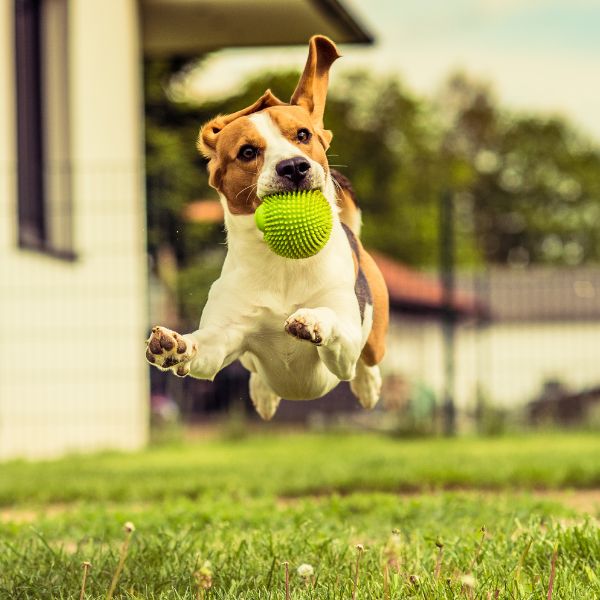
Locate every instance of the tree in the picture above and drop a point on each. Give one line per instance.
(535, 191)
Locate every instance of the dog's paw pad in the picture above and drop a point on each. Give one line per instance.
(304, 327)
(182, 370)
(167, 349)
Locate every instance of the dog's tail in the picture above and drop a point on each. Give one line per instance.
(350, 213)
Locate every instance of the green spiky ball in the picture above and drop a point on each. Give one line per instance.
(295, 224)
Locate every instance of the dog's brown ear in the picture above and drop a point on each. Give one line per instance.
(209, 132)
(311, 91)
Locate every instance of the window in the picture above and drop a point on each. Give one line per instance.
(43, 160)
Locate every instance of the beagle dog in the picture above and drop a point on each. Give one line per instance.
(300, 326)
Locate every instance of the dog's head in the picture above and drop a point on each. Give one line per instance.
(272, 146)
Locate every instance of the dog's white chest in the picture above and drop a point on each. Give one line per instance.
(263, 290)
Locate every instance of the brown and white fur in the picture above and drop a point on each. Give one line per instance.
(299, 326)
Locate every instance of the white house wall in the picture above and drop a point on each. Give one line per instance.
(507, 362)
(415, 350)
(73, 375)
(517, 358)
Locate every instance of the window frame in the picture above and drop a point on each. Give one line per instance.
(33, 208)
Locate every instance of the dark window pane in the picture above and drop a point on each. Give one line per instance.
(32, 225)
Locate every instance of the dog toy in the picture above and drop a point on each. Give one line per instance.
(295, 224)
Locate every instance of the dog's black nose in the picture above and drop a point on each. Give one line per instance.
(295, 169)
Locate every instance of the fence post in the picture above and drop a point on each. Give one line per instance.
(447, 263)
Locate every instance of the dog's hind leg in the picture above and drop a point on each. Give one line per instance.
(265, 400)
(366, 385)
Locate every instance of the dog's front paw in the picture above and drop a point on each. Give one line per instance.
(168, 350)
(304, 324)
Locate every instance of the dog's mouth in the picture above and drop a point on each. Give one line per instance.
(286, 189)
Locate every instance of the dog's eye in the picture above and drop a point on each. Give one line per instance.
(303, 135)
(248, 152)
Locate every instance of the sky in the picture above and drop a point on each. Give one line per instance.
(538, 56)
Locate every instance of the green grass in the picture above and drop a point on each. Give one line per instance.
(248, 506)
(294, 465)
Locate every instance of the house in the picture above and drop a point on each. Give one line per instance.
(544, 327)
(417, 350)
(522, 329)
(73, 281)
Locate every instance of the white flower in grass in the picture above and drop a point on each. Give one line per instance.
(306, 571)
(468, 580)
(129, 527)
(204, 575)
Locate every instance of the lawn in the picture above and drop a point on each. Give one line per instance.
(458, 518)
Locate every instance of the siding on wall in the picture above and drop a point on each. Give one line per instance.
(508, 362)
(73, 376)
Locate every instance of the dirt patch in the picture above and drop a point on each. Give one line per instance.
(30, 514)
(583, 501)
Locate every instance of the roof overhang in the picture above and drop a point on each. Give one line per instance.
(194, 27)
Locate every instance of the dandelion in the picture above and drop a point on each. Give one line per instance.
(286, 566)
(360, 549)
(129, 528)
(468, 584)
(305, 571)
(391, 558)
(479, 547)
(552, 572)
(203, 577)
(392, 551)
(86, 567)
(438, 561)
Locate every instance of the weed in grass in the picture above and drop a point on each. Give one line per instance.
(359, 552)
(479, 549)
(129, 528)
(204, 579)
(86, 567)
(286, 566)
(438, 560)
(391, 557)
(552, 572)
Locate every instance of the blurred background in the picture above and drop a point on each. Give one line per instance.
(470, 132)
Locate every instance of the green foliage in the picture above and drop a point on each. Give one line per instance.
(385, 142)
(535, 191)
(194, 281)
(175, 171)
(232, 504)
